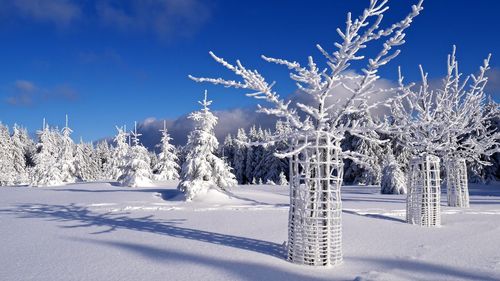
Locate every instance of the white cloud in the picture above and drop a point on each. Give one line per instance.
(26, 93)
(165, 18)
(25, 86)
(59, 12)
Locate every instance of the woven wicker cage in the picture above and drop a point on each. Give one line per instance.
(424, 192)
(457, 188)
(314, 225)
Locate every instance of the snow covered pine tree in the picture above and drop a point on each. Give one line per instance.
(203, 170)
(7, 171)
(393, 179)
(22, 148)
(114, 168)
(54, 158)
(136, 170)
(315, 234)
(66, 159)
(87, 162)
(167, 167)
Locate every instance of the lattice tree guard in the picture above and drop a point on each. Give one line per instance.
(424, 192)
(456, 183)
(314, 225)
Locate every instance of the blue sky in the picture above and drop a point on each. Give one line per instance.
(108, 62)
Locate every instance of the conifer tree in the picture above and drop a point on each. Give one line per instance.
(136, 169)
(22, 153)
(167, 167)
(119, 155)
(87, 163)
(103, 154)
(393, 179)
(283, 181)
(66, 158)
(203, 170)
(153, 161)
(250, 159)
(227, 150)
(8, 173)
(240, 153)
(46, 172)
(369, 171)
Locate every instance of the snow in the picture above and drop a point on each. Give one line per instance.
(101, 231)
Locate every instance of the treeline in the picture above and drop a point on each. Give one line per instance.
(53, 158)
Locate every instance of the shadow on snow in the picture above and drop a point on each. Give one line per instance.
(83, 217)
(244, 270)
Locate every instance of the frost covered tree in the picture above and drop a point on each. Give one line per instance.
(46, 171)
(8, 173)
(256, 165)
(119, 155)
(251, 158)
(275, 166)
(283, 181)
(153, 161)
(87, 163)
(103, 154)
(317, 128)
(227, 150)
(448, 122)
(393, 179)
(66, 157)
(54, 158)
(202, 169)
(367, 173)
(486, 173)
(22, 149)
(167, 167)
(136, 168)
(270, 166)
(240, 152)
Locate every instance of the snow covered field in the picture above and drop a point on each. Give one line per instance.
(100, 231)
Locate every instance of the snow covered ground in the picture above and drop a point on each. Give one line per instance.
(99, 231)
